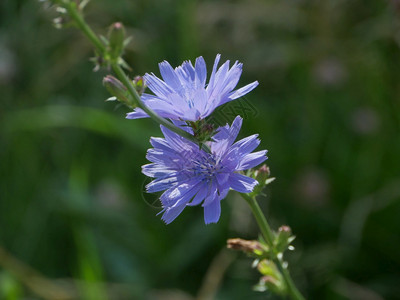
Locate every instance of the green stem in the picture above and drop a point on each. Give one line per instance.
(269, 238)
(82, 25)
(101, 48)
(261, 221)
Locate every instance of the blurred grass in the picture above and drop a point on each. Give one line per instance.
(71, 193)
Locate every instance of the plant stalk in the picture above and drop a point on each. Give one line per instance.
(269, 238)
(102, 49)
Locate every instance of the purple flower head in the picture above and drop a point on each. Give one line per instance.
(190, 176)
(184, 94)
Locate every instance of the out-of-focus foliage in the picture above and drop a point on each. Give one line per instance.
(72, 205)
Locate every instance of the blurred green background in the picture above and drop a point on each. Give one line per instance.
(74, 221)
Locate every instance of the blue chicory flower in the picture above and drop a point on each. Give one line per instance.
(191, 176)
(184, 94)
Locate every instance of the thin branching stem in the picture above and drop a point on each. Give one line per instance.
(102, 50)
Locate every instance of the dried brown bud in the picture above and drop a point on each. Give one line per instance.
(244, 245)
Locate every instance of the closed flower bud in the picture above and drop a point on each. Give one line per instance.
(268, 268)
(272, 284)
(117, 89)
(285, 229)
(262, 176)
(116, 37)
(283, 238)
(202, 130)
(272, 278)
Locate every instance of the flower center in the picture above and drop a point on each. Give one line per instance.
(207, 167)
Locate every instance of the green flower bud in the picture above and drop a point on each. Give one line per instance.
(272, 279)
(268, 268)
(117, 89)
(202, 130)
(271, 284)
(116, 37)
(283, 238)
(262, 176)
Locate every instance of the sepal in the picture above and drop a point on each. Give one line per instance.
(202, 130)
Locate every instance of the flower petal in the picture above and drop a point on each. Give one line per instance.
(251, 160)
(138, 113)
(201, 194)
(212, 193)
(156, 170)
(234, 129)
(177, 142)
(247, 144)
(212, 212)
(160, 143)
(226, 136)
(176, 198)
(161, 184)
(242, 184)
(200, 102)
(216, 87)
(242, 91)
(157, 86)
(181, 193)
(214, 70)
(201, 72)
(171, 213)
(232, 78)
(160, 107)
(186, 73)
(169, 75)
